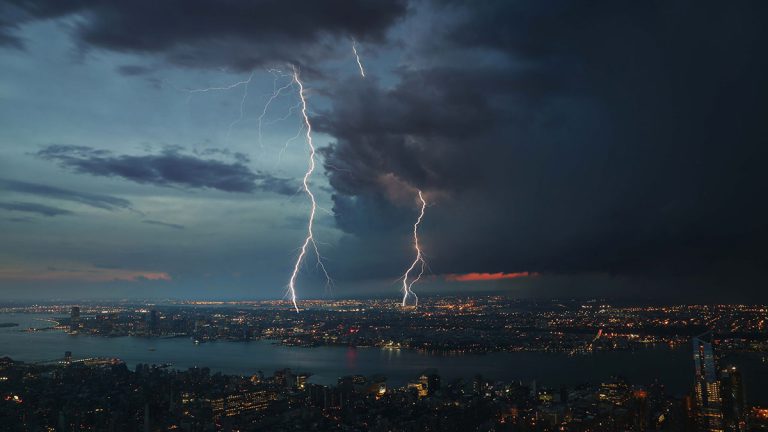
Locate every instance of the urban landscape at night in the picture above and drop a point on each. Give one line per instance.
(383, 215)
(443, 324)
(79, 391)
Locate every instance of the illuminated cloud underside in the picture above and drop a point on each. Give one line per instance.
(475, 277)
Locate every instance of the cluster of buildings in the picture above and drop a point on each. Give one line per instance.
(720, 400)
(447, 324)
(105, 395)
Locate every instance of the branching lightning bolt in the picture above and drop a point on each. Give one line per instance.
(418, 261)
(357, 56)
(310, 239)
(306, 129)
(229, 87)
(275, 94)
(244, 83)
(242, 106)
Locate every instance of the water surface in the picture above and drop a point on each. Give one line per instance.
(673, 367)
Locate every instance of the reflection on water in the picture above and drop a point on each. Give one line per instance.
(673, 367)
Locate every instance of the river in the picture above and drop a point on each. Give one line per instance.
(672, 367)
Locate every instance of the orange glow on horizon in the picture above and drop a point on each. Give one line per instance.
(90, 274)
(475, 277)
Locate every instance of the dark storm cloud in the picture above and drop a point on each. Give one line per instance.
(105, 202)
(282, 186)
(450, 116)
(616, 137)
(164, 224)
(169, 168)
(212, 151)
(40, 209)
(207, 32)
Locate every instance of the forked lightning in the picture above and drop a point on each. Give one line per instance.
(418, 261)
(310, 239)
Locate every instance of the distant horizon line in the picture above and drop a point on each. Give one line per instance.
(234, 301)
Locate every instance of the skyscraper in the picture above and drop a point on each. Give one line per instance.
(707, 385)
(154, 322)
(732, 390)
(74, 319)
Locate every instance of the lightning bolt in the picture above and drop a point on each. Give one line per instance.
(275, 94)
(418, 261)
(310, 239)
(242, 106)
(306, 128)
(357, 56)
(228, 87)
(243, 83)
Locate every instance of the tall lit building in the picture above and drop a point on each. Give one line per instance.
(706, 387)
(430, 381)
(732, 390)
(419, 387)
(301, 380)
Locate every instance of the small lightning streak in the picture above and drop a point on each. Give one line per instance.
(275, 94)
(419, 260)
(357, 56)
(229, 87)
(242, 106)
(244, 83)
(310, 239)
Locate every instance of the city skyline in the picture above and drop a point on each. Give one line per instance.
(456, 363)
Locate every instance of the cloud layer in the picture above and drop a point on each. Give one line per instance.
(39, 209)
(609, 137)
(169, 168)
(482, 277)
(613, 139)
(163, 224)
(240, 35)
(80, 274)
(105, 202)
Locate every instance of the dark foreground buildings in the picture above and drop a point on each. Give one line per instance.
(105, 395)
(719, 393)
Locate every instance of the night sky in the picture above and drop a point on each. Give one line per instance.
(565, 148)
